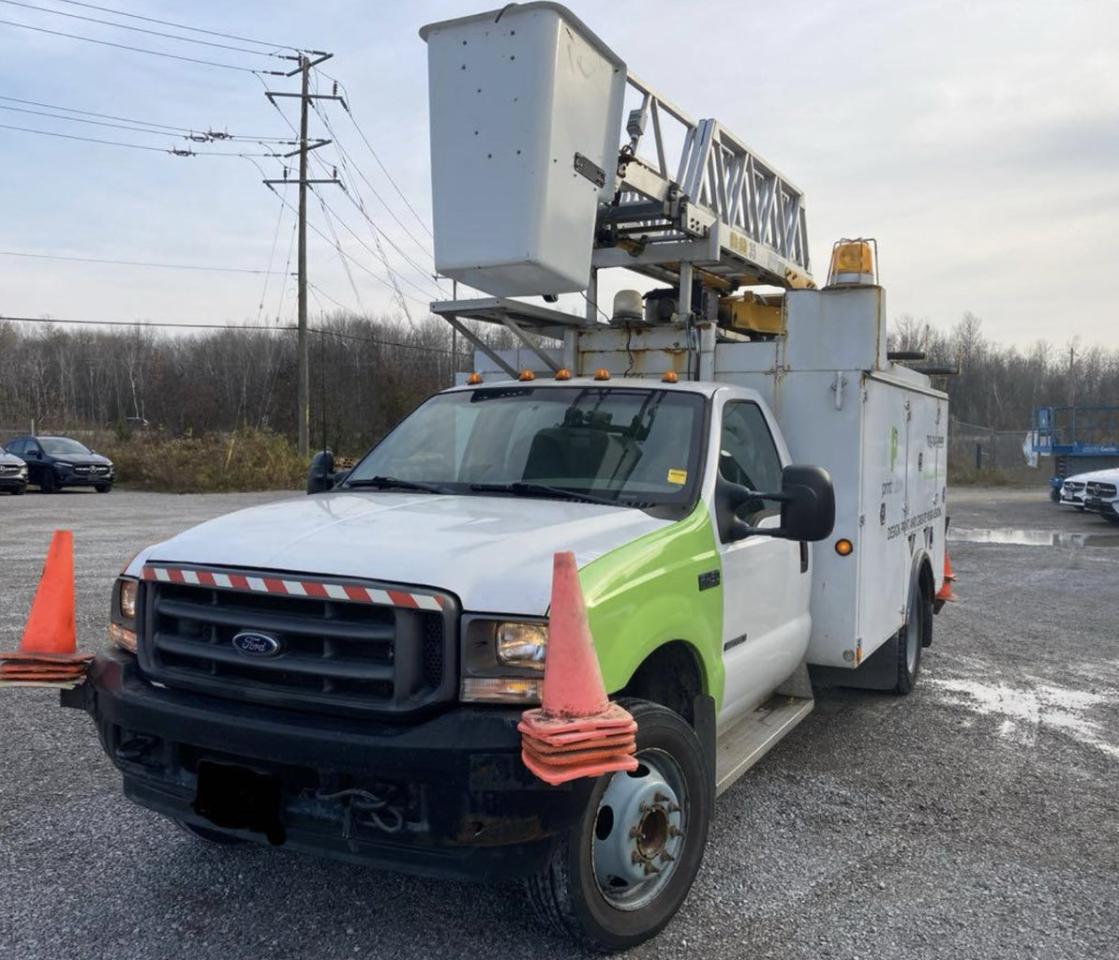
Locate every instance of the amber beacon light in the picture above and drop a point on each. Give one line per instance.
(844, 547)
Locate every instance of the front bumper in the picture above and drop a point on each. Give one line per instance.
(13, 482)
(68, 478)
(469, 807)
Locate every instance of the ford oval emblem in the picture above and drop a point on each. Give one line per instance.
(256, 644)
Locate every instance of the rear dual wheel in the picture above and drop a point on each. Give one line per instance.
(619, 874)
(914, 636)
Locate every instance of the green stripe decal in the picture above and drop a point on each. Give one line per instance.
(647, 593)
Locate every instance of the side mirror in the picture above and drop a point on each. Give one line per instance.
(320, 476)
(807, 501)
(808, 508)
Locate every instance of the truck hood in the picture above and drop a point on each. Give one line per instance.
(494, 553)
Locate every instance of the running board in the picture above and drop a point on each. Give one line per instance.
(741, 746)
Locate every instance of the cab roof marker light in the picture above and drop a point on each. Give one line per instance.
(563, 374)
(526, 375)
(670, 376)
(602, 374)
(474, 379)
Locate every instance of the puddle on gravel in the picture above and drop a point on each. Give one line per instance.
(1025, 710)
(1032, 538)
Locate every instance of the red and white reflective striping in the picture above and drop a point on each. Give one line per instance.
(318, 589)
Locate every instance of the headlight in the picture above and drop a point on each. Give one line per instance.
(128, 599)
(522, 643)
(122, 619)
(503, 660)
(63, 463)
(23, 471)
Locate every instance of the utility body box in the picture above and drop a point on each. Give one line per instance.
(877, 427)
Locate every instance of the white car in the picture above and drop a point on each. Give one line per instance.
(1095, 491)
(1101, 494)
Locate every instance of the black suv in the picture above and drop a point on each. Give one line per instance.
(57, 462)
(13, 473)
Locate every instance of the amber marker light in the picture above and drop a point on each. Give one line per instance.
(844, 547)
(474, 379)
(670, 376)
(526, 375)
(602, 374)
(563, 374)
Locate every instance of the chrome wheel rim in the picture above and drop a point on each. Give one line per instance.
(639, 831)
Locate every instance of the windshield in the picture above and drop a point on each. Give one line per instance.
(62, 446)
(628, 446)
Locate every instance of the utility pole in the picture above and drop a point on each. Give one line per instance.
(303, 355)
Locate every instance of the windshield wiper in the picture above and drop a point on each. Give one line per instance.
(385, 483)
(525, 488)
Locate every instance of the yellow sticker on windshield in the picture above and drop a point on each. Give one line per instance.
(677, 476)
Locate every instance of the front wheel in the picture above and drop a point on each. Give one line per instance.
(619, 874)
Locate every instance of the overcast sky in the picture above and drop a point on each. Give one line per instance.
(977, 141)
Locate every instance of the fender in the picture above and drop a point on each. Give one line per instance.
(649, 592)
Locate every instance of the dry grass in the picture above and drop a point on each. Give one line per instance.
(244, 460)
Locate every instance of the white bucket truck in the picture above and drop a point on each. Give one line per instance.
(343, 674)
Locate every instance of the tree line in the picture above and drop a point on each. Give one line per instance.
(367, 372)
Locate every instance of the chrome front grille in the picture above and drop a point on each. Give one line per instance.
(332, 655)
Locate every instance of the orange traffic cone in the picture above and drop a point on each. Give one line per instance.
(577, 731)
(48, 649)
(945, 594)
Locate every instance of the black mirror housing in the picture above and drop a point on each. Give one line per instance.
(808, 503)
(320, 476)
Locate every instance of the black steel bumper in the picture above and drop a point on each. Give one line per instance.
(467, 805)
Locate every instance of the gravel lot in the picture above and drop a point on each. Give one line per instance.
(978, 818)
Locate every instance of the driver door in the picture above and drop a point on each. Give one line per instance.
(766, 622)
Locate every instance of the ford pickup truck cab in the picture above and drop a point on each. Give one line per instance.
(356, 661)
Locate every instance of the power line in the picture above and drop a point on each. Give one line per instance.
(174, 151)
(357, 263)
(365, 140)
(350, 230)
(225, 326)
(195, 137)
(344, 156)
(268, 272)
(190, 133)
(181, 26)
(136, 263)
(125, 46)
(125, 26)
(144, 323)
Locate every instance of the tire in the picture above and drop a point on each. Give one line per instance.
(567, 896)
(103, 487)
(211, 838)
(48, 484)
(913, 637)
(18, 491)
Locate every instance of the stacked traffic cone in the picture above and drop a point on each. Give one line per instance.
(577, 732)
(945, 594)
(47, 652)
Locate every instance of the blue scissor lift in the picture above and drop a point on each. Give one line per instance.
(1078, 439)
